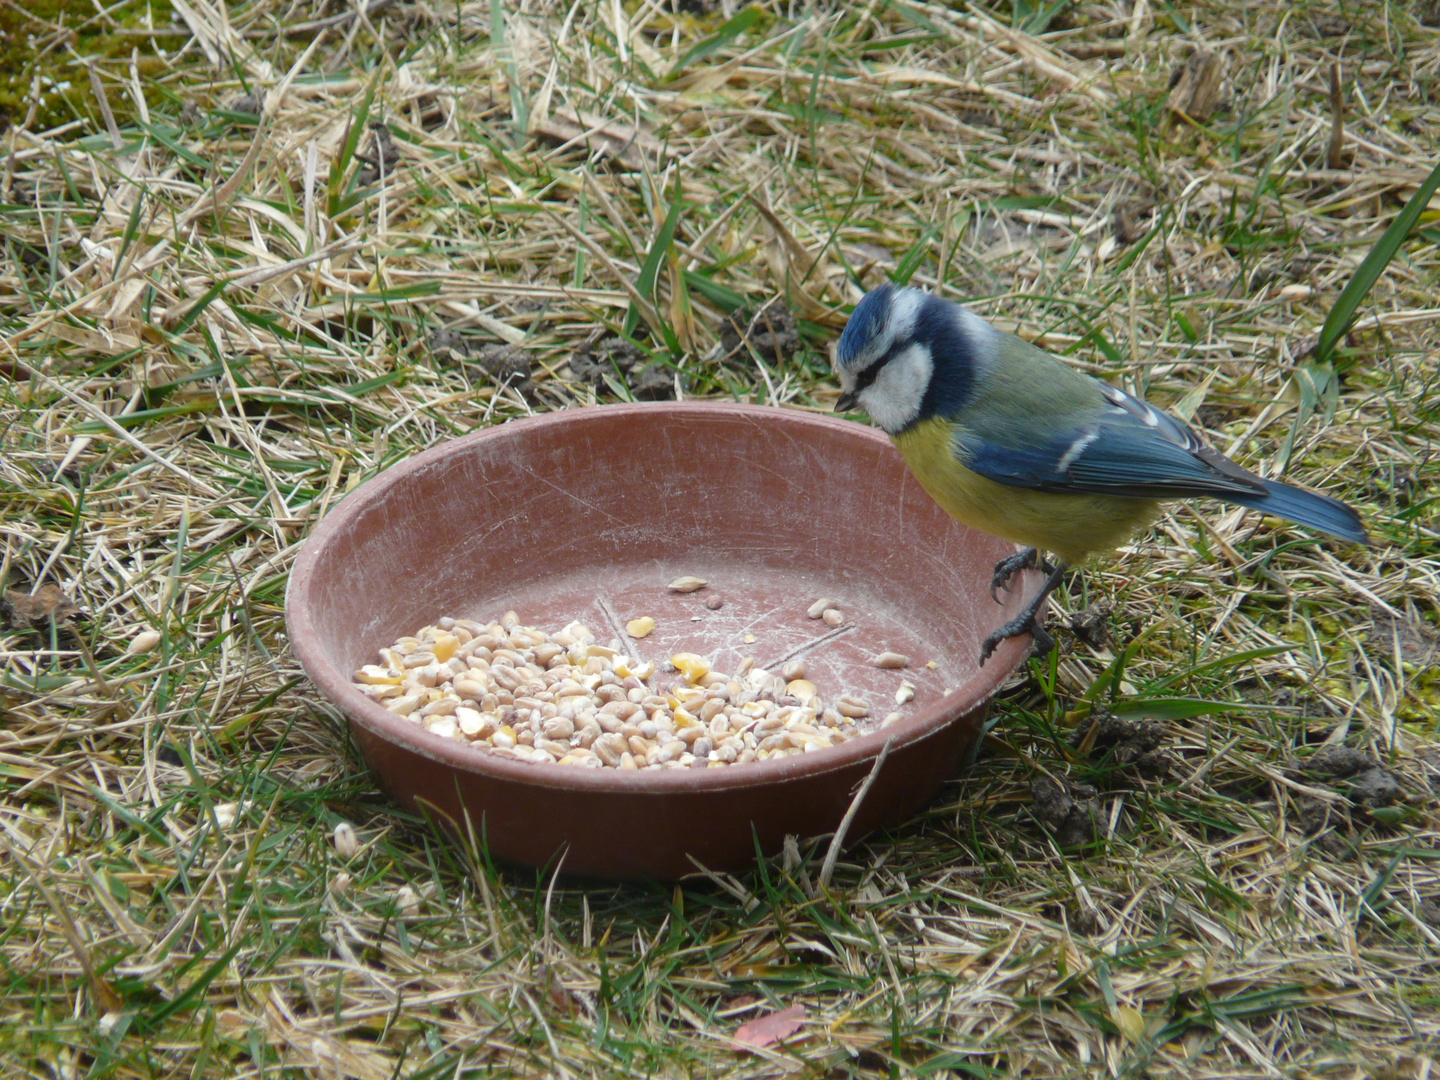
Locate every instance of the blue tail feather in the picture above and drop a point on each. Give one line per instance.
(1306, 508)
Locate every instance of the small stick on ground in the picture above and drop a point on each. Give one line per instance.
(838, 840)
(1335, 155)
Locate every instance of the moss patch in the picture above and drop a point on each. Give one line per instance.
(44, 38)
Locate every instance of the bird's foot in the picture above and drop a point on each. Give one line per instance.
(1024, 559)
(1027, 622)
(1024, 623)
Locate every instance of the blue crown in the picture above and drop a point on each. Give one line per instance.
(865, 322)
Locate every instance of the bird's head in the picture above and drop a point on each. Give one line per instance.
(883, 367)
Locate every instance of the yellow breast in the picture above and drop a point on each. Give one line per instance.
(1071, 526)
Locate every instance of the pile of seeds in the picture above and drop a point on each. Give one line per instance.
(532, 696)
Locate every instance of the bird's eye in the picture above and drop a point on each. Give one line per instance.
(866, 377)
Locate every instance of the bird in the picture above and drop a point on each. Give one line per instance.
(1015, 443)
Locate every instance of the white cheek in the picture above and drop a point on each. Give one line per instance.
(893, 401)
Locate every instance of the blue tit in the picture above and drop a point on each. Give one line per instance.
(1011, 441)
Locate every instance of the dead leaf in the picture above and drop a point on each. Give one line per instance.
(1195, 86)
(631, 146)
(776, 1027)
(105, 342)
(794, 268)
(1412, 638)
(560, 998)
(1130, 1022)
(23, 611)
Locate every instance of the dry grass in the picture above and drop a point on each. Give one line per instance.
(209, 337)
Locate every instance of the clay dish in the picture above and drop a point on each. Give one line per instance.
(588, 514)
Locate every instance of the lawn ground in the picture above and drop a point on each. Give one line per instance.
(216, 320)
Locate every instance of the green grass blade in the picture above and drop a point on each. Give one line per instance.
(905, 11)
(519, 108)
(1213, 667)
(739, 24)
(192, 993)
(1175, 708)
(347, 151)
(1369, 271)
(1138, 247)
(910, 261)
(650, 271)
(198, 308)
(132, 225)
(722, 296)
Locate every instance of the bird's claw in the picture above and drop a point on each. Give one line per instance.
(1025, 623)
(1008, 567)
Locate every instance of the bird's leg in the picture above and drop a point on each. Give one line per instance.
(1025, 622)
(1024, 559)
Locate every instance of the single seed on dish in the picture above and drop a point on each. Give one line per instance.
(819, 607)
(801, 688)
(905, 693)
(406, 705)
(793, 669)
(832, 617)
(691, 665)
(890, 660)
(445, 646)
(370, 674)
(891, 718)
(687, 584)
(609, 747)
(714, 603)
(852, 706)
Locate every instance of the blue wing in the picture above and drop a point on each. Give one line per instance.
(1125, 448)
(1133, 450)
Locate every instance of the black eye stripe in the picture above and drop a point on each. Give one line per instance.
(868, 376)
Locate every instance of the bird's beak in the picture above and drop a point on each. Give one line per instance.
(845, 403)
